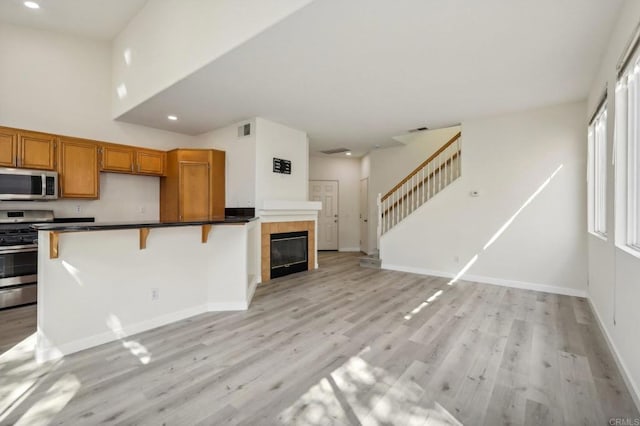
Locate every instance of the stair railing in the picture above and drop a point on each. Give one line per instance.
(432, 176)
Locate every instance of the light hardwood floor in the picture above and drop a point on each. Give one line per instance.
(340, 345)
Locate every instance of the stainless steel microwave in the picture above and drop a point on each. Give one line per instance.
(24, 184)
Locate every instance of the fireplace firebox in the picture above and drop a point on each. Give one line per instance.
(289, 253)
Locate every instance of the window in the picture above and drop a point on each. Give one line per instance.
(598, 172)
(627, 141)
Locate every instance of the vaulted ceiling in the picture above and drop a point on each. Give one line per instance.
(357, 73)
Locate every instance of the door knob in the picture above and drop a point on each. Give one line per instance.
(365, 221)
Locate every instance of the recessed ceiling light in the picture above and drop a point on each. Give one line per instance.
(172, 117)
(32, 5)
(348, 153)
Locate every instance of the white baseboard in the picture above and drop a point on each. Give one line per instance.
(253, 284)
(491, 280)
(227, 306)
(349, 249)
(46, 351)
(633, 388)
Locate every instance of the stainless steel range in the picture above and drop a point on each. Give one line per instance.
(19, 255)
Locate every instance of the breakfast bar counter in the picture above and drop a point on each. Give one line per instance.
(101, 226)
(101, 282)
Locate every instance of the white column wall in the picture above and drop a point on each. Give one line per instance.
(279, 141)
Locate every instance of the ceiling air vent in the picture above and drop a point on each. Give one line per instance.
(335, 151)
(244, 130)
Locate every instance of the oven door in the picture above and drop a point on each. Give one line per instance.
(18, 265)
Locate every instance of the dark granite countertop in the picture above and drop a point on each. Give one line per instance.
(100, 226)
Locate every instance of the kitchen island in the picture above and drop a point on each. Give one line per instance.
(101, 282)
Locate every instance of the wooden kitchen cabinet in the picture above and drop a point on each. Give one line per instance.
(133, 160)
(117, 158)
(218, 185)
(29, 150)
(150, 162)
(194, 186)
(8, 147)
(36, 150)
(78, 168)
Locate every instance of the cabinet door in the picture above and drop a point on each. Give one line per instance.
(117, 158)
(78, 171)
(36, 151)
(150, 162)
(217, 184)
(193, 191)
(8, 147)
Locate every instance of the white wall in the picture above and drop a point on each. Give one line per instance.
(389, 166)
(508, 159)
(60, 84)
(122, 198)
(347, 172)
(240, 161)
(279, 141)
(170, 39)
(614, 275)
(249, 168)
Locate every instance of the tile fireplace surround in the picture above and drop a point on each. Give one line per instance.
(279, 227)
(287, 216)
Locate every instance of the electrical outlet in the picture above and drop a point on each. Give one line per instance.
(155, 293)
(142, 210)
(78, 209)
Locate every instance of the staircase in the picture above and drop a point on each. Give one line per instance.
(436, 173)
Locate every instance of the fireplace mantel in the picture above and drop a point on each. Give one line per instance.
(273, 209)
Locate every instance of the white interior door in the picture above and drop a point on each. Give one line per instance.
(326, 191)
(364, 215)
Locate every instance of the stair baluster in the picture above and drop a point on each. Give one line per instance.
(436, 173)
